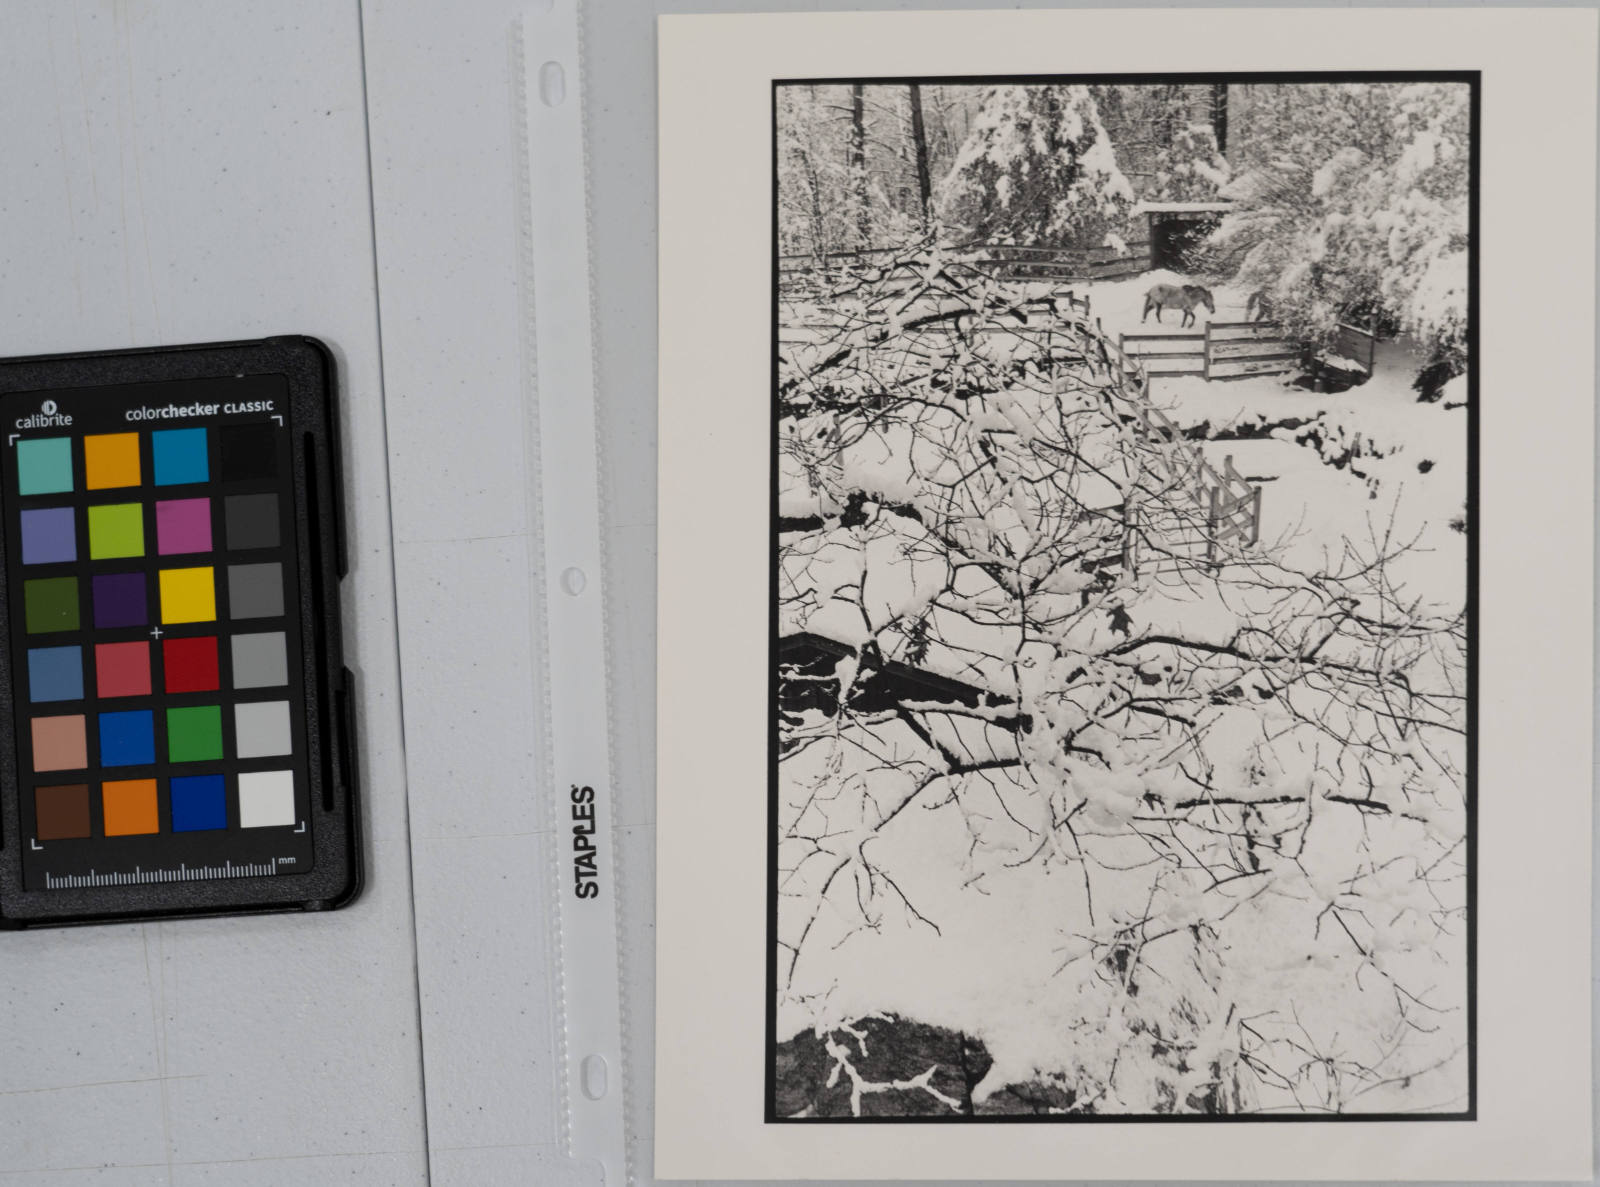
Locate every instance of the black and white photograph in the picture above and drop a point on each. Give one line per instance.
(1123, 579)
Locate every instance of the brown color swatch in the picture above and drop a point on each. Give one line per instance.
(61, 813)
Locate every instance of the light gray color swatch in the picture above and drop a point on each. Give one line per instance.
(261, 729)
(260, 661)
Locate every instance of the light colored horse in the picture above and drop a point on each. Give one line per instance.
(1180, 296)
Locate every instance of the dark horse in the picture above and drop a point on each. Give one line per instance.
(1182, 296)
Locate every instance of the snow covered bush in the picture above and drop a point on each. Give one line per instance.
(1354, 196)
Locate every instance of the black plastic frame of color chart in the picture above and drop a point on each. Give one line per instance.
(337, 874)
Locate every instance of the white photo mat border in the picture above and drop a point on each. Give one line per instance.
(1535, 643)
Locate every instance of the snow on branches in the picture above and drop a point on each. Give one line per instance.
(1167, 835)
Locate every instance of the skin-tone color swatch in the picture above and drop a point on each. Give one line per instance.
(59, 743)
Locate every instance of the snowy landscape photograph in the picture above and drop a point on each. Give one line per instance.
(1123, 545)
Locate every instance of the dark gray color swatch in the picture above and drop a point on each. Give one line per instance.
(251, 521)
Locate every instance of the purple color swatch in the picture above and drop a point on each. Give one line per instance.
(48, 536)
(119, 600)
(183, 525)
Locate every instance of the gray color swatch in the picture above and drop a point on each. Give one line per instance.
(251, 521)
(261, 728)
(255, 591)
(260, 661)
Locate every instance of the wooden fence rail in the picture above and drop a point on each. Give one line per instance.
(1004, 261)
(1235, 349)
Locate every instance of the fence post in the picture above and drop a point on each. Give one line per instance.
(1255, 516)
(1211, 528)
(1206, 357)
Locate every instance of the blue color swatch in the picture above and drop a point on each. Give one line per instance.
(49, 536)
(127, 739)
(179, 456)
(198, 803)
(55, 674)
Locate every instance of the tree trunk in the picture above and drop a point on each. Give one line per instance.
(858, 163)
(919, 138)
(1219, 114)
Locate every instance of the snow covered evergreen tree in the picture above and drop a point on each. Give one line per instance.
(1037, 168)
(1190, 169)
(1163, 141)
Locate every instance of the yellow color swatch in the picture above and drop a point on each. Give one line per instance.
(130, 807)
(188, 595)
(110, 459)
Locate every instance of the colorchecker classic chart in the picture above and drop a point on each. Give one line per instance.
(165, 578)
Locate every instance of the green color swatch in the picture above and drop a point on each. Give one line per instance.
(116, 530)
(194, 733)
(50, 604)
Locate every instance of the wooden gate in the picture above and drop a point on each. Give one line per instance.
(1235, 349)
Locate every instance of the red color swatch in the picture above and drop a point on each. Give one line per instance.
(122, 669)
(191, 664)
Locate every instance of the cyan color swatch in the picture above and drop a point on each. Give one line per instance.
(179, 456)
(44, 466)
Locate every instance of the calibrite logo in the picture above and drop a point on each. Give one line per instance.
(47, 417)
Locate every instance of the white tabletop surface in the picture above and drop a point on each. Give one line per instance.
(187, 173)
(176, 171)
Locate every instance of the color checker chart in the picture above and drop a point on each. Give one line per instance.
(157, 681)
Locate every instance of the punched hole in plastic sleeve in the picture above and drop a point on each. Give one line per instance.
(569, 575)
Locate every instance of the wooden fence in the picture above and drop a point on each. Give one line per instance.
(1008, 262)
(1235, 349)
(1230, 505)
(1003, 261)
(1222, 350)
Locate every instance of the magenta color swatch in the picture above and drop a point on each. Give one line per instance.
(183, 525)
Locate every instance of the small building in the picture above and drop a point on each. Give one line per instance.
(1177, 228)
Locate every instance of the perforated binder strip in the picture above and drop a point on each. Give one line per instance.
(555, 269)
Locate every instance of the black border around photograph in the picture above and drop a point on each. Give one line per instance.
(1473, 79)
